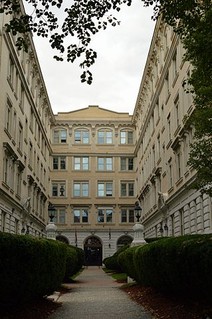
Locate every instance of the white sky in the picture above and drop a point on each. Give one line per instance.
(121, 57)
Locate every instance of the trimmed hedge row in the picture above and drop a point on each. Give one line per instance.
(74, 261)
(112, 261)
(181, 264)
(30, 267)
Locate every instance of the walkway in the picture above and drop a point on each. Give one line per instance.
(95, 295)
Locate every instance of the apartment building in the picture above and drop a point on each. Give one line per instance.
(170, 206)
(24, 139)
(93, 179)
(93, 164)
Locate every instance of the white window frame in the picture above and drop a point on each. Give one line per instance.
(60, 188)
(105, 189)
(104, 163)
(59, 136)
(126, 137)
(58, 160)
(105, 215)
(127, 191)
(81, 136)
(125, 164)
(81, 163)
(129, 215)
(83, 215)
(106, 136)
(80, 189)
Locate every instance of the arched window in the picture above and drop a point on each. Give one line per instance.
(81, 136)
(126, 137)
(105, 136)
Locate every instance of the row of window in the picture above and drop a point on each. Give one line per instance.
(81, 163)
(104, 215)
(82, 136)
(104, 189)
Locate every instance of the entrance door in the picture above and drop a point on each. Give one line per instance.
(93, 251)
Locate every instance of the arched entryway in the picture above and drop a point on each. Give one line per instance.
(93, 251)
(124, 240)
(63, 239)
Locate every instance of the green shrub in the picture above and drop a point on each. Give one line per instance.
(182, 264)
(112, 261)
(126, 261)
(74, 261)
(29, 267)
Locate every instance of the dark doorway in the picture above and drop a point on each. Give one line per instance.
(124, 240)
(63, 239)
(93, 251)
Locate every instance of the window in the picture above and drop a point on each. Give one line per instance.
(59, 136)
(167, 86)
(20, 136)
(81, 163)
(126, 137)
(170, 173)
(105, 189)
(11, 71)
(127, 189)
(59, 162)
(80, 215)
(105, 136)
(105, 215)
(8, 119)
(81, 189)
(105, 163)
(81, 136)
(59, 216)
(127, 163)
(58, 189)
(176, 106)
(178, 164)
(127, 216)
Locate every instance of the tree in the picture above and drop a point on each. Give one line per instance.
(191, 19)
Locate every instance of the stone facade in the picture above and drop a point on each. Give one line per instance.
(170, 206)
(25, 147)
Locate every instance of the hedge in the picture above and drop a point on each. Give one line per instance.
(126, 261)
(180, 265)
(29, 267)
(112, 261)
(74, 262)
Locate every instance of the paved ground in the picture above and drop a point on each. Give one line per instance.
(95, 295)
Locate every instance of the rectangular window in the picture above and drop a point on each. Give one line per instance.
(176, 106)
(81, 163)
(126, 137)
(80, 215)
(105, 189)
(20, 136)
(105, 163)
(127, 189)
(127, 216)
(59, 162)
(127, 163)
(58, 189)
(8, 118)
(105, 215)
(81, 189)
(11, 70)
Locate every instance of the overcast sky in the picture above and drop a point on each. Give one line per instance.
(121, 52)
